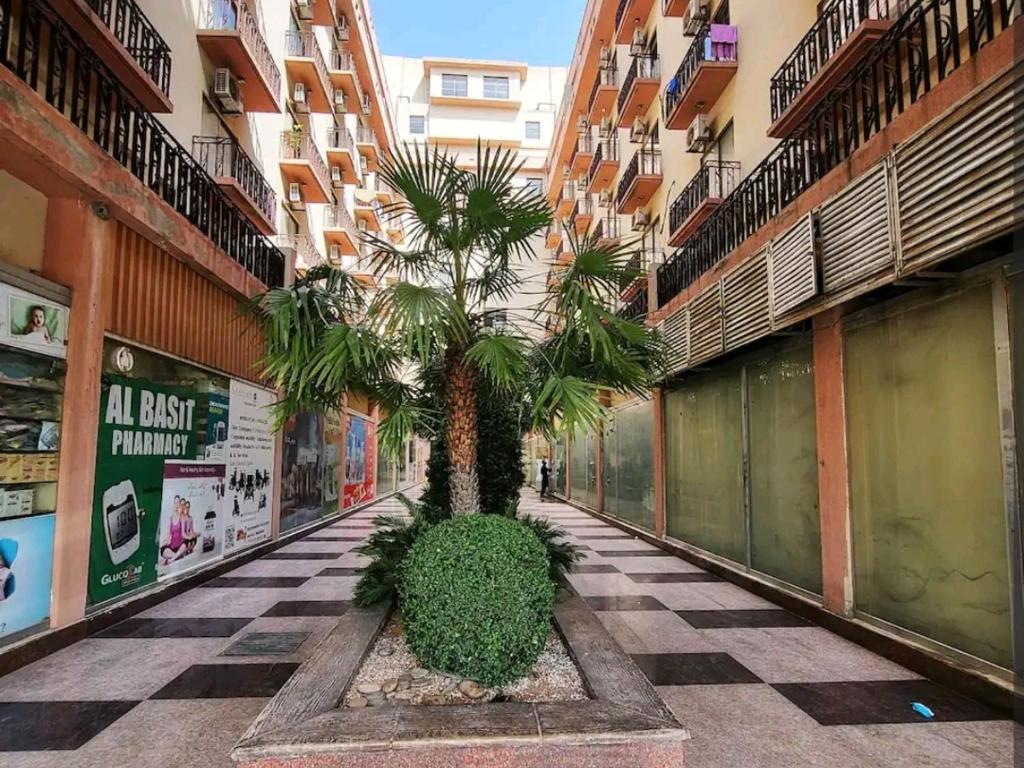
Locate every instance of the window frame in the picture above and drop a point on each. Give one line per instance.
(526, 130)
(422, 123)
(498, 79)
(451, 78)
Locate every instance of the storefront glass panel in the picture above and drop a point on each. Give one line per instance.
(629, 464)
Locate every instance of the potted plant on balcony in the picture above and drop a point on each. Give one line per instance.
(295, 137)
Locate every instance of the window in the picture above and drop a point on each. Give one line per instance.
(417, 124)
(454, 85)
(495, 87)
(532, 130)
(536, 185)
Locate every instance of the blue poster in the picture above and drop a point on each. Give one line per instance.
(26, 572)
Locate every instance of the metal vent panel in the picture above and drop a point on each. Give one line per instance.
(676, 333)
(745, 302)
(793, 273)
(706, 325)
(855, 232)
(955, 182)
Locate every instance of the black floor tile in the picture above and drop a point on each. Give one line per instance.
(672, 578)
(147, 628)
(303, 556)
(257, 582)
(625, 603)
(634, 553)
(874, 703)
(582, 568)
(55, 725)
(309, 608)
(227, 681)
(341, 572)
(693, 669)
(742, 619)
(266, 644)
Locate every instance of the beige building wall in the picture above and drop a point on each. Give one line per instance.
(23, 223)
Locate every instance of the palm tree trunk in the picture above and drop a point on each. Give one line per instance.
(461, 386)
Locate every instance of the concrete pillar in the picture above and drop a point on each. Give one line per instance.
(833, 483)
(658, 402)
(78, 247)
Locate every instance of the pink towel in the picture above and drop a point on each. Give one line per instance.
(724, 33)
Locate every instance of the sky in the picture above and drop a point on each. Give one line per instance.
(539, 32)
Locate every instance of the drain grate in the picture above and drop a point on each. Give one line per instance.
(266, 644)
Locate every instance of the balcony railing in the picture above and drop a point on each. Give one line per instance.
(607, 75)
(715, 179)
(620, 11)
(41, 49)
(305, 249)
(223, 157)
(703, 49)
(139, 37)
(646, 67)
(607, 150)
(637, 267)
(645, 162)
(905, 65)
(338, 217)
(235, 16)
(341, 138)
(608, 228)
(636, 308)
(300, 146)
(304, 45)
(836, 23)
(583, 207)
(342, 61)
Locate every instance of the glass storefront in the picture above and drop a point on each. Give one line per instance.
(925, 462)
(559, 466)
(628, 473)
(302, 471)
(583, 475)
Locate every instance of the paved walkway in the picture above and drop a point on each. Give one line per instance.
(758, 688)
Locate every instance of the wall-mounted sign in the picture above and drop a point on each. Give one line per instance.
(250, 467)
(26, 567)
(31, 322)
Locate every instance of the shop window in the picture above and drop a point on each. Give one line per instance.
(629, 464)
(584, 468)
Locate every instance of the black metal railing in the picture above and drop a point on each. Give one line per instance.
(636, 271)
(607, 75)
(715, 179)
(836, 23)
(41, 49)
(584, 145)
(645, 162)
(636, 308)
(139, 37)
(235, 16)
(620, 11)
(921, 49)
(607, 150)
(647, 67)
(608, 228)
(702, 49)
(223, 157)
(584, 206)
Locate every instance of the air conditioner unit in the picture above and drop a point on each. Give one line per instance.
(638, 132)
(339, 101)
(607, 56)
(295, 193)
(299, 101)
(605, 198)
(362, 225)
(227, 92)
(696, 16)
(606, 126)
(638, 47)
(304, 9)
(698, 135)
(582, 124)
(336, 175)
(341, 31)
(335, 253)
(366, 103)
(641, 220)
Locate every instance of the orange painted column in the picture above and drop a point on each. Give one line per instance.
(833, 484)
(658, 401)
(79, 244)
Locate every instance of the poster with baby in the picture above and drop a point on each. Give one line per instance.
(191, 516)
(31, 322)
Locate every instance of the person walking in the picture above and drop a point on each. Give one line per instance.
(544, 478)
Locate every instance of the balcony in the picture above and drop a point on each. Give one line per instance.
(302, 164)
(320, 13)
(369, 217)
(339, 233)
(395, 229)
(553, 236)
(342, 157)
(366, 143)
(302, 248)
(602, 95)
(239, 179)
(636, 307)
(630, 15)
(608, 231)
(605, 164)
(714, 182)
(582, 154)
(640, 181)
(582, 213)
(843, 34)
(230, 36)
(638, 267)
(639, 89)
(127, 42)
(345, 79)
(674, 8)
(304, 64)
(707, 68)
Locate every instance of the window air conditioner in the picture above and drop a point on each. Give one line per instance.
(606, 126)
(299, 98)
(698, 135)
(304, 9)
(582, 124)
(341, 31)
(295, 193)
(335, 253)
(641, 220)
(339, 101)
(336, 175)
(227, 92)
(366, 103)
(638, 132)
(605, 198)
(696, 16)
(607, 56)
(639, 45)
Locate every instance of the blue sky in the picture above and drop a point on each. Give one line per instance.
(540, 32)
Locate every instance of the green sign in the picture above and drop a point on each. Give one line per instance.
(142, 424)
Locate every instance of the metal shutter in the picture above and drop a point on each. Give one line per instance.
(955, 182)
(706, 325)
(676, 332)
(855, 231)
(745, 302)
(793, 273)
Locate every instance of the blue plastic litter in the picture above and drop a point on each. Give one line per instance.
(922, 710)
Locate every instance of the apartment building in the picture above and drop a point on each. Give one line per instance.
(821, 198)
(160, 165)
(452, 104)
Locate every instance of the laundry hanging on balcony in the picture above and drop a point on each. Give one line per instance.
(720, 44)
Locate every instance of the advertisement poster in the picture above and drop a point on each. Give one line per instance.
(360, 461)
(332, 463)
(250, 467)
(142, 425)
(31, 322)
(26, 571)
(190, 516)
(302, 473)
(217, 408)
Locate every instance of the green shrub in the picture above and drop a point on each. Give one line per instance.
(387, 547)
(476, 598)
(562, 554)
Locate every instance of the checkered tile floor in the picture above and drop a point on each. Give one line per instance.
(758, 688)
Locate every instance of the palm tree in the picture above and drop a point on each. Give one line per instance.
(468, 232)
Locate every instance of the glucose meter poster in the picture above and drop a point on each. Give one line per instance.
(191, 520)
(142, 426)
(26, 570)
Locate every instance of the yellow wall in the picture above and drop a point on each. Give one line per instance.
(22, 225)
